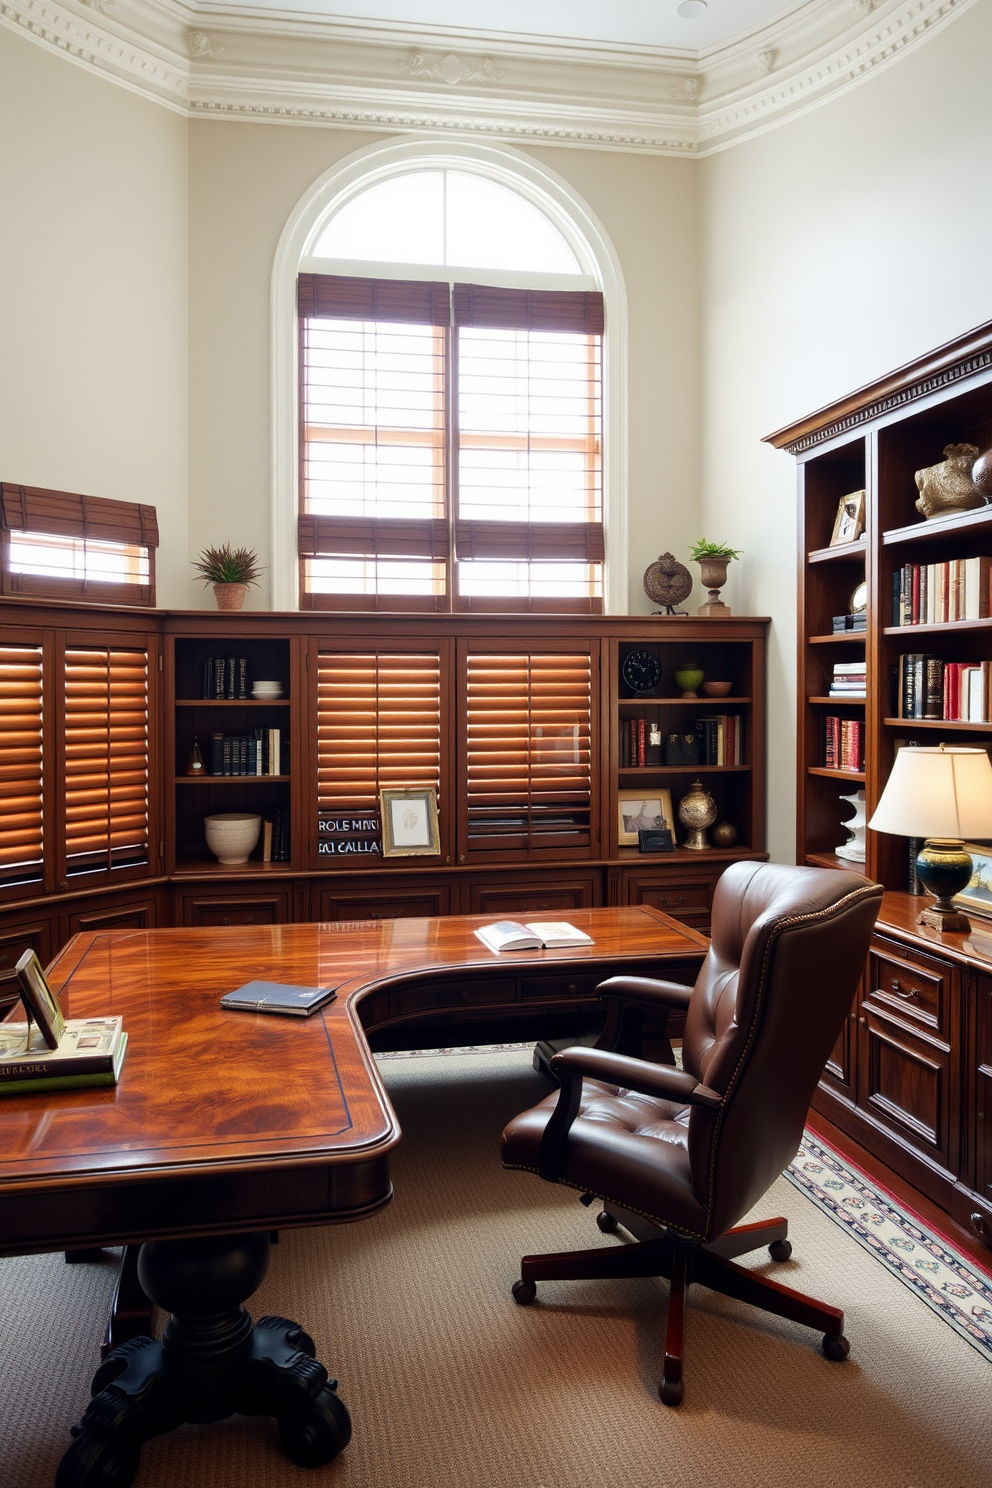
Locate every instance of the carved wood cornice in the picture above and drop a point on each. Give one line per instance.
(251, 64)
(947, 364)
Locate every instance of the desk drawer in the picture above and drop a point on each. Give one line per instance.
(556, 988)
(909, 986)
(435, 996)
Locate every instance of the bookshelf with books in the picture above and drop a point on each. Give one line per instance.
(905, 1079)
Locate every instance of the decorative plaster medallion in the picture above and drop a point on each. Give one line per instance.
(200, 45)
(109, 7)
(864, 7)
(763, 63)
(452, 69)
(686, 89)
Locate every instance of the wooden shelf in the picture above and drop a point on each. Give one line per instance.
(679, 702)
(959, 524)
(231, 779)
(839, 637)
(681, 769)
(943, 627)
(843, 553)
(854, 697)
(835, 774)
(281, 702)
(831, 860)
(937, 723)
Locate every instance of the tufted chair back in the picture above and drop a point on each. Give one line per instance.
(788, 947)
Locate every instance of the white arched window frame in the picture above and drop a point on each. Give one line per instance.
(584, 235)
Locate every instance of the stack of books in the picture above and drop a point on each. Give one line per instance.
(257, 753)
(848, 679)
(842, 623)
(90, 1052)
(225, 677)
(929, 687)
(845, 744)
(940, 593)
(721, 739)
(640, 742)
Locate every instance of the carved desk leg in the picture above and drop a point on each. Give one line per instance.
(211, 1362)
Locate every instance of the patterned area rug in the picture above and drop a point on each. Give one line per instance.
(926, 1263)
(947, 1283)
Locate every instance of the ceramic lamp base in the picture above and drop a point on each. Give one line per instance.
(944, 869)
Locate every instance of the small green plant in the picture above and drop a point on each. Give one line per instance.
(228, 565)
(703, 549)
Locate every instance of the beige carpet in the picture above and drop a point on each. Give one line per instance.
(450, 1383)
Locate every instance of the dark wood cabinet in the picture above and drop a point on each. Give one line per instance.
(380, 898)
(16, 937)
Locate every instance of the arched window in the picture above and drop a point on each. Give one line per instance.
(450, 393)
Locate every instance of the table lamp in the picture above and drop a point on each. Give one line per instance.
(942, 795)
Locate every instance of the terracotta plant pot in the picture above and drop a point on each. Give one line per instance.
(230, 596)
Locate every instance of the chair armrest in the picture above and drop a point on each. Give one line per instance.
(618, 1069)
(627, 1000)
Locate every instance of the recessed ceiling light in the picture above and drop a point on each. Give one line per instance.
(690, 9)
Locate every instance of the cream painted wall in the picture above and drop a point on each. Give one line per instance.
(93, 288)
(245, 181)
(835, 249)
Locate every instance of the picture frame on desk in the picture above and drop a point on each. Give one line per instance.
(849, 522)
(643, 811)
(409, 822)
(39, 1000)
(976, 898)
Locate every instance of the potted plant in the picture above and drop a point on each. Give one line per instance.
(713, 559)
(230, 571)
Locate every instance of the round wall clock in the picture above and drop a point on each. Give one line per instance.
(641, 671)
(667, 582)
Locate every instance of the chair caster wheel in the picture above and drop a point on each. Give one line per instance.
(524, 1292)
(606, 1221)
(835, 1348)
(780, 1250)
(670, 1391)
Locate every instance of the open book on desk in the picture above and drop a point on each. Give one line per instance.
(512, 935)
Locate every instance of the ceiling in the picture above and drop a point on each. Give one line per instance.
(624, 23)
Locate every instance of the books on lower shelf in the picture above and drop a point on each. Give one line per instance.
(940, 593)
(257, 753)
(844, 745)
(512, 935)
(848, 679)
(930, 687)
(90, 1052)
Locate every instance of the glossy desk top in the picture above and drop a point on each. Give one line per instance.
(206, 1090)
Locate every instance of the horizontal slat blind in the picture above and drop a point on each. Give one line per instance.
(378, 724)
(529, 447)
(106, 758)
(529, 767)
(57, 543)
(21, 761)
(374, 428)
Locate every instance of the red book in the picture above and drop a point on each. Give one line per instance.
(641, 742)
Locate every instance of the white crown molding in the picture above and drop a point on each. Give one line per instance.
(252, 65)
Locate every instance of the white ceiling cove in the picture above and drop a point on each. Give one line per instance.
(597, 74)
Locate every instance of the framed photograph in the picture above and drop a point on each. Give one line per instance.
(849, 522)
(976, 898)
(409, 822)
(643, 811)
(39, 999)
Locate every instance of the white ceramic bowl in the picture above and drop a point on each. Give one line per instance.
(231, 835)
(266, 689)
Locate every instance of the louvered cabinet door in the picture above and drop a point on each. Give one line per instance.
(22, 803)
(527, 718)
(381, 723)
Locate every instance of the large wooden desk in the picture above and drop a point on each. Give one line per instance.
(225, 1126)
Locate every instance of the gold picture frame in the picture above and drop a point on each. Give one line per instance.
(849, 522)
(976, 896)
(39, 1000)
(642, 811)
(409, 822)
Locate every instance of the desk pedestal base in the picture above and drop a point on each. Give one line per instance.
(211, 1362)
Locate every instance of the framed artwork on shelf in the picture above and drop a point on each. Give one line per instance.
(409, 821)
(643, 811)
(39, 999)
(849, 522)
(977, 896)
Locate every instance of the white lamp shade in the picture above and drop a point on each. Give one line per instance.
(937, 793)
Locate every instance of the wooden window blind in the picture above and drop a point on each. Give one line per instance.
(373, 394)
(21, 763)
(529, 751)
(378, 724)
(528, 449)
(58, 544)
(106, 758)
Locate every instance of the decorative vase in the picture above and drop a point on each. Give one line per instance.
(854, 849)
(195, 764)
(713, 574)
(949, 487)
(230, 596)
(981, 475)
(697, 811)
(232, 835)
(689, 676)
(724, 834)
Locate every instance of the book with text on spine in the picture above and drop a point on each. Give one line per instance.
(35, 1084)
(535, 935)
(277, 997)
(87, 1047)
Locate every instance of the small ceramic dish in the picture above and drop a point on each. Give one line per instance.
(717, 689)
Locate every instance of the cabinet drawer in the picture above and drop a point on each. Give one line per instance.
(14, 941)
(681, 897)
(554, 988)
(905, 1081)
(911, 987)
(232, 912)
(516, 898)
(382, 902)
(484, 992)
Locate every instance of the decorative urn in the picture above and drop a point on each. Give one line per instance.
(697, 811)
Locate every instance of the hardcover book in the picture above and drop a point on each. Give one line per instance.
(35, 1083)
(277, 997)
(87, 1046)
(511, 935)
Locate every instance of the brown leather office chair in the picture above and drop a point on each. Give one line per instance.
(679, 1156)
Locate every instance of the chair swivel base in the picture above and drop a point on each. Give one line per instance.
(211, 1362)
(684, 1263)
